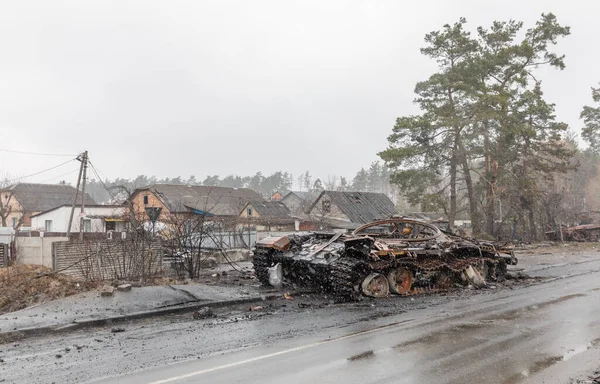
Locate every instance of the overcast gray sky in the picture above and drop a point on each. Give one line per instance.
(172, 88)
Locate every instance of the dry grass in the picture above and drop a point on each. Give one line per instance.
(22, 286)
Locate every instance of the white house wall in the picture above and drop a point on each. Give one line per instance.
(60, 218)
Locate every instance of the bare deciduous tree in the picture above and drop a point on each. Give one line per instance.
(8, 203)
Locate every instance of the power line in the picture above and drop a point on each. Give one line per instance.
(36, 153)
(96, 169)
(102, 182)
(56, 177)
(40, 172)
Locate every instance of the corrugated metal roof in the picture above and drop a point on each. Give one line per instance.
(43, 197)
(361, 207)
(304, 195)
(222, 201)
(271, 209)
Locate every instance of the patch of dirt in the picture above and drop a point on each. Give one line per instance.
(26, 285)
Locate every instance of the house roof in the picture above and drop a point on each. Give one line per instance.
(270, 209)
(361, 207)
(304, 195)
(43, 197)
(220, 201)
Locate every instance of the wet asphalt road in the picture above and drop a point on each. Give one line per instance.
(494, 336)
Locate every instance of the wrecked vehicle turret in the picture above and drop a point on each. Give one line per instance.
(400, 255)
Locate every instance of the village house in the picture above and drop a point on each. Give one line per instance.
(298, 201)
(349, 210)
(221, 202)
(266, 216)
(276, 196)
(97, 218)
(20, 202)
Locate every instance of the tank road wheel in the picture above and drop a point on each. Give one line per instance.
(578, 236)
(400, 280)
(375, 285)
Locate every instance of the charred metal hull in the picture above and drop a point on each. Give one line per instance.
(582, 233)
(399, 256)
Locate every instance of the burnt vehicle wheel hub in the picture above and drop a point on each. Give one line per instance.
(400, 280)
(375, 285)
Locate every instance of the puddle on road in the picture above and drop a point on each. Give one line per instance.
(595, 342)
(362, 356)
(517, 313)
(575, 351)
(466, 337)
(556, 301)
(540, 365)
(536, 367)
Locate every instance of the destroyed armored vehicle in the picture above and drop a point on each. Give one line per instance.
(585, 232)
(400, 255)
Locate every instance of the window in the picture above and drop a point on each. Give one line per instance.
(14, 222)
(87, 225)
(326, 206)
(48, 225)
(249, 211)
(111, 226)
(146, 200)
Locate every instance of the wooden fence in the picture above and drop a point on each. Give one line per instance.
(108, 259)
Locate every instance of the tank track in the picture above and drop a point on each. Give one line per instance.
(345, 274)
(262, 260)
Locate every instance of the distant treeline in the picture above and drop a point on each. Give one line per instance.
(374, 179)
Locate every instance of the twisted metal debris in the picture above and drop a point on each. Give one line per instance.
(399, 255)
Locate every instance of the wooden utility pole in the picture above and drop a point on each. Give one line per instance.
(76, 194)
(562, 240)
(82, 214)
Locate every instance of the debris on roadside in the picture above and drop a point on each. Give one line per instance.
(287, 296)
(256, 308)
(107, 291)
(203, 313)
(124, 287)
(517, 276)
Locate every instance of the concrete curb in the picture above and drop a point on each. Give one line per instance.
(23, 333)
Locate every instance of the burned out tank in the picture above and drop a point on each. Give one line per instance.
(399, 255)
(584, 232)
